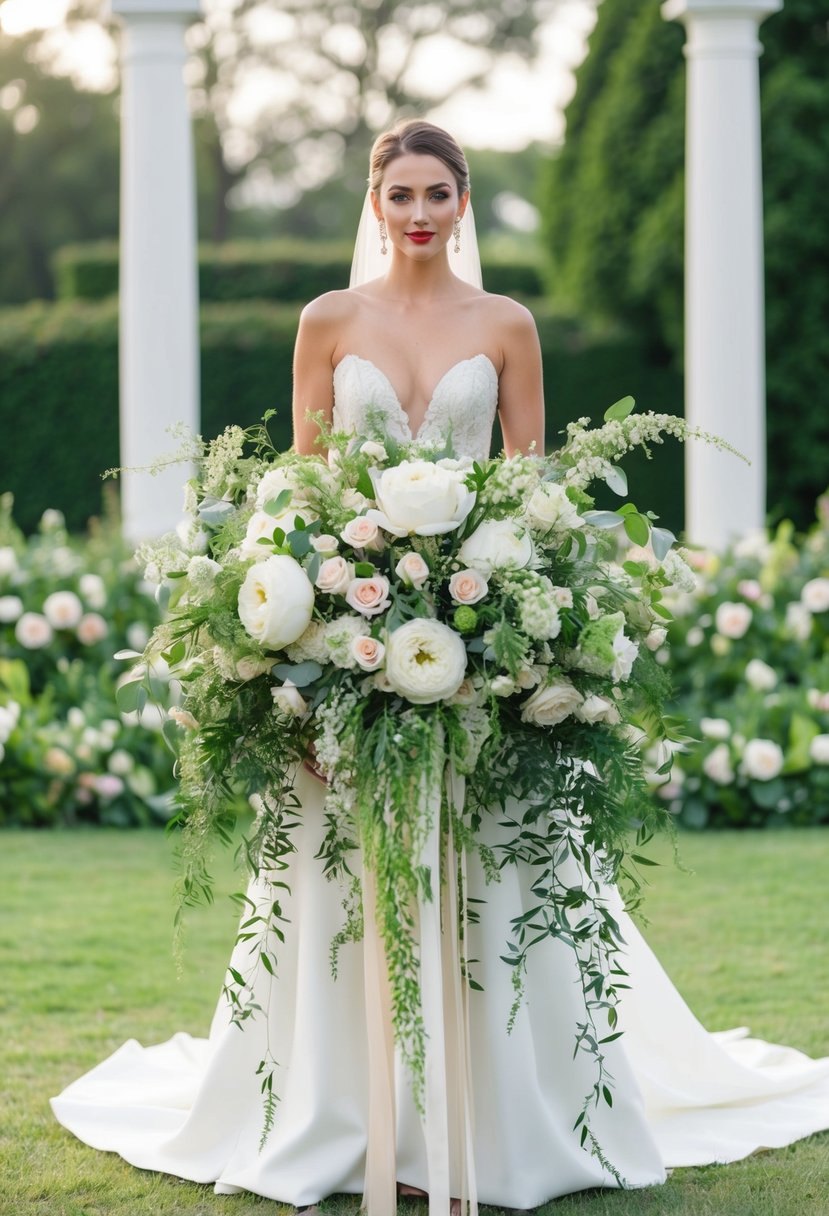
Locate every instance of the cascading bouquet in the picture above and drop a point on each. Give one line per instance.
(443, 641)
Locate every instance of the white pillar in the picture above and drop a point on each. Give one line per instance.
(158, 273)
(724, 307)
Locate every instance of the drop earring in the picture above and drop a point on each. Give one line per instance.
(456, 232)
(383, 237)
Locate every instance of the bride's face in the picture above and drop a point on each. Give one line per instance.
(419, 201)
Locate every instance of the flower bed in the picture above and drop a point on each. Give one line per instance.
(749, 659)
(67, 755)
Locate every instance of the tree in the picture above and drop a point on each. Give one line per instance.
(613, 211)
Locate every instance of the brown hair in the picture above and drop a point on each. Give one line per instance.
(424, 138)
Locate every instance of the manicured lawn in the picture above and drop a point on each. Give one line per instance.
(86, 962)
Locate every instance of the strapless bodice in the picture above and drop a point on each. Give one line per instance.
(462, 407)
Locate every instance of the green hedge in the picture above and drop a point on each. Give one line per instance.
(281, 271)
(59, 394)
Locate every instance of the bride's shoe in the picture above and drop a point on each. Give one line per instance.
(413, 1192)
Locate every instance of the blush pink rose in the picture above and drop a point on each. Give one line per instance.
(368, 652)
(370, 596)
(335, 576)
(362, 533)
(92, 628)
(467, 587)
(412, 569)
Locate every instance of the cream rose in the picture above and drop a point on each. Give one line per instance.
(815, 595)
(468, 586)
(362, 533)
(261, 526)
(425, 661)
(374, 451)
(33, 631)
(715, 728)
(274, 483)
(549, 509)
(762, 759)
(62, 609)
(496, 544)
(656, 637)
(819, 749)
(370, 596)
(551, 703)
(335, 576)
(502, 686)
(92, 628)
(597, 709)
(368, 652)
(326, 545)
(276, 601)
(93, 590)
(412, 570)
(732, 620)
(421, 497)
(717, 765)
(288, 699)
(760, 676)
(11, 607)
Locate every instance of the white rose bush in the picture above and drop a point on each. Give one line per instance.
(749, 660)
(67, 755)
(420, 631)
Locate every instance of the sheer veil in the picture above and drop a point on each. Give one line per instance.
(369, 263)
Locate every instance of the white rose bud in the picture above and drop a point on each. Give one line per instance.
(183, 717)
(326, 545)
(656, 637)
(335, 576)
(597, 709)
(248, 668)
(468, 586)
(412, 570)
(289, 700)
(374, 451)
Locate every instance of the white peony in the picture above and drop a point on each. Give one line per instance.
(62, 609)
(819, 749)
(551, 703)
(11, 607)
(33, 631)
(549, 509)
(760, 676)
(762, 759)
(276, 601)
(421, 497)
(733, 619)
(496, 544)
(425, 661)
(715, 728)
(597, 709)
(717, 765)
(815, 595)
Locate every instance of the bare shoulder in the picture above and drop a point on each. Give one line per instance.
(332, 308)
(509, 314)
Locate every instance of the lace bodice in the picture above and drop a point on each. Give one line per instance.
(463, 404)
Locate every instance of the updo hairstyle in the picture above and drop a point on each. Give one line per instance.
(423, 138)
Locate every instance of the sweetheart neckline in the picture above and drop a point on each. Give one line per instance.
(435, 391)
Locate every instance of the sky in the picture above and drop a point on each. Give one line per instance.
(520, 104)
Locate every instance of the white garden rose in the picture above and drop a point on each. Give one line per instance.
(274, 482)
(656, 637)
(715, 728)
(717, 765)
(335, 576)
(762, 759)
(11, 607)
(496, 544)
(467, 586)
(597, 709)
(550, 510)
(412, 570)
(551, 703)
(362, 533)
(288, 699)
(374, 451)
(815, 595)
(421, 497)
(798, 622)
(62, 609)
(276, 601)
(733, 619)
(93, 590)
(760, 676)
(261, 525)
(92, 628)
(819, 749)
(425, 661)
(502, 686)
(33, 631)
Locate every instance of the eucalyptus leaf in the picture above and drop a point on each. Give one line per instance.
(275, 506)
(300, 543)
(602, 519)
(661, 541)
(301, 674)
(620, 410)
(131, 697)
(215, 512)
(616, 480)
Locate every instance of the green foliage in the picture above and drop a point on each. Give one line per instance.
(59, 370)
(613, 211)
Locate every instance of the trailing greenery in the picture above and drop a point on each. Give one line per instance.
(59, 370)
(613, 211)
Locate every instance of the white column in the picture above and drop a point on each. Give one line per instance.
(158, 273)
(724, 306)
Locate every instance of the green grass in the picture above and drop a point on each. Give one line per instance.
(86, 962)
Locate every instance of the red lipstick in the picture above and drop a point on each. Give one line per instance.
(420, 238)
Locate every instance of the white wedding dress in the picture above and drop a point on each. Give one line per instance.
(192, 1107)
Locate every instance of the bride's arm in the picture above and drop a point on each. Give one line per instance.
(313, 370)
(520, 385)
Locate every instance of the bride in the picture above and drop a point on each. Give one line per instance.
(417, 341)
